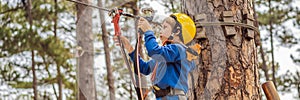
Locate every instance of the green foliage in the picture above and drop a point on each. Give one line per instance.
(54, 48)
(290, 81)
(8, 73)
(277, 13)
(21, 84)
(296, 59)
(17, 39)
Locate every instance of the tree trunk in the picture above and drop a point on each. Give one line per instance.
(34, 80)
(85, 68)
(105, 38)
(58, 76)
(264, 66)
(34, 83)
(272, 46)
(227, 66)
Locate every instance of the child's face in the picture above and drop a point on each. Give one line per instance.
(165, 32)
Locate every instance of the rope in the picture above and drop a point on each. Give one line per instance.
(138, 67)
(226, 23)
(137, 59)
(126, 61)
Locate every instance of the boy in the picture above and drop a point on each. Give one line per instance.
(171, 62)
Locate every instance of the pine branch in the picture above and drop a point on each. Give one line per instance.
(12, 10)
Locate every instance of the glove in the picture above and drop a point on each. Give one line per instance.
(144, 25)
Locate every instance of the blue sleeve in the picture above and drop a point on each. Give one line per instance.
(169, 52)
(146, 67)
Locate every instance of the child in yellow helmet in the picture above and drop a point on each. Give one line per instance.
(169, 64)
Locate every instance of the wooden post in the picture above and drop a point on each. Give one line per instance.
(270, 91)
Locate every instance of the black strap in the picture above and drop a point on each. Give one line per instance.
(162, 92)
(190, 50)
(193, 52)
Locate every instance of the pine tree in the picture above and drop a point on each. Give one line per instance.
(19, 39)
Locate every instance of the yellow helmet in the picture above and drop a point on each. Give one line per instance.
(188, 28)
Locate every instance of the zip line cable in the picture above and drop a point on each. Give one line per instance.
(86, 4)
(104, 9)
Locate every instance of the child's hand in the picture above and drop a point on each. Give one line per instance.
(125, 43)
(144, 25)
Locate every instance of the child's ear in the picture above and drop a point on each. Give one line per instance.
(176, 31)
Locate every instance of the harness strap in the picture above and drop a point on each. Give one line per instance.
(156, 65)
(154, 72)
(193, 52)
(176, 92)
(168, 91)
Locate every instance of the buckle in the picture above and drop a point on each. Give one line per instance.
(155, 88)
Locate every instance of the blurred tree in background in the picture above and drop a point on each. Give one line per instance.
(49, 41)
(279, 19)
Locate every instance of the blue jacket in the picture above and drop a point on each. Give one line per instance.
(173, 67)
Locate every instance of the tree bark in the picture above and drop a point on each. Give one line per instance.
(105, 38)
(227, 68)
(85, 68)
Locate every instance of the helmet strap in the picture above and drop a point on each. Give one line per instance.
(171, 37)
(175, 30)
(177, 27)
(174, 33)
